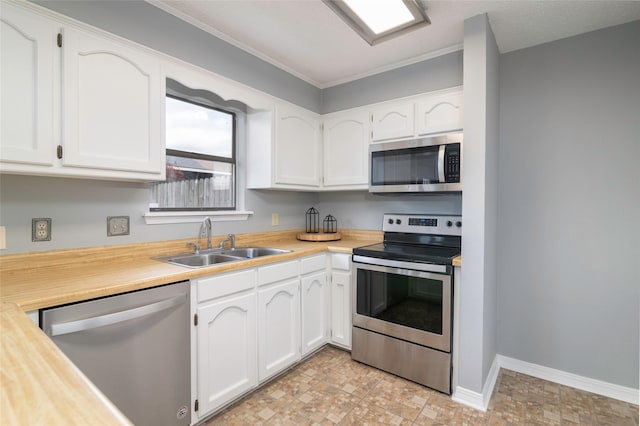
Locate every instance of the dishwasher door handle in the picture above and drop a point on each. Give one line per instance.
(116, 317)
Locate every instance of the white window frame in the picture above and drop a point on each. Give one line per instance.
(240, 213)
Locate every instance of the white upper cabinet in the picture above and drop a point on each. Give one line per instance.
(392, 121)
(283, 148)
(28, 53)
(346, 150)
(112, 105)
(422, 115)
(297, 150)
(110, 124)
(439, 113)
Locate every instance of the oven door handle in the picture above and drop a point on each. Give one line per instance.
(399, 264)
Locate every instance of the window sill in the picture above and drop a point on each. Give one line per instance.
(159, 218)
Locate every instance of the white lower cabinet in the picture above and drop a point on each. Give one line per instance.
(278, 327)
(252, 324)
(226, 349)
(314, 298)
(341, 300)
(278, 317)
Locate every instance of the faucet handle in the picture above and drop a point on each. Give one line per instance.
(196, 247)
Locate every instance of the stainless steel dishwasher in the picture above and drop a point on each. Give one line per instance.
(134, 347)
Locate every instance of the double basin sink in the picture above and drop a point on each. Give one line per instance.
(216, 256)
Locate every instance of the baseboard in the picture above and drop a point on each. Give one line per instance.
(477, 400)
(480, 401)
(599, 387)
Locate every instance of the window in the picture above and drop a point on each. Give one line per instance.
(201, 161)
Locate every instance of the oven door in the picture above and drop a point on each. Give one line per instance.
(404, 303)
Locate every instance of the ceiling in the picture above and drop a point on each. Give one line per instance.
(306, 38)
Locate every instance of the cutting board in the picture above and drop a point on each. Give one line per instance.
(321, 236)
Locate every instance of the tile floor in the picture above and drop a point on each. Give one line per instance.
(329, 388)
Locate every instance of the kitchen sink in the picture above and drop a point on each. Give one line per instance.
(251, 252)
(217, 256)
(199, 260)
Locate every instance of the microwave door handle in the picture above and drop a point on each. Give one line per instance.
(441, 151)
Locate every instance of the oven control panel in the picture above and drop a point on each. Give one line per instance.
(422, 224)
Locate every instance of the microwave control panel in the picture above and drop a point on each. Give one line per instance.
(452, 163)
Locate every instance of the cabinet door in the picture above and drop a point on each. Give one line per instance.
(278, 328)
(226, 336)
(393, 121)
(112, 106)
(439, 113)
(346, 150)
(297, 153)
(27, 63)
(314, 297)
(341, 308)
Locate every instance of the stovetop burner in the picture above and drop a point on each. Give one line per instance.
(417, 238)
(427, 254)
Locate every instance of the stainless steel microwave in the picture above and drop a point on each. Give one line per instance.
(417, 166)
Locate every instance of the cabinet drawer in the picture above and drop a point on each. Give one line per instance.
(277, 272)
(341, 261)
(312, 264)
(225, 284)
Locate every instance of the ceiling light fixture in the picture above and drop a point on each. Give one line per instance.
(379, 20)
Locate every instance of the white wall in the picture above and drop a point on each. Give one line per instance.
(569, 208)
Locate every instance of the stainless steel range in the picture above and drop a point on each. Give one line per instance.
(403, 298)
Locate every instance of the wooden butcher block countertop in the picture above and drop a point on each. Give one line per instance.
(39, 384)
(40, 280)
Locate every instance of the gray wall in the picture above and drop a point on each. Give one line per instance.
(361, 210)
(433, 74)
(569, 188)
(79, 209)
(477, 295)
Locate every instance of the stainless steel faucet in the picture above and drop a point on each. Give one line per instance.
(206, 224)
(231, 238)
(196, 248)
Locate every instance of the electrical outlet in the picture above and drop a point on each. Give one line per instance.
(117, 225)
(41, 229)
(275, 219)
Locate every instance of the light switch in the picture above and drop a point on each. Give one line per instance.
(3, 238)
